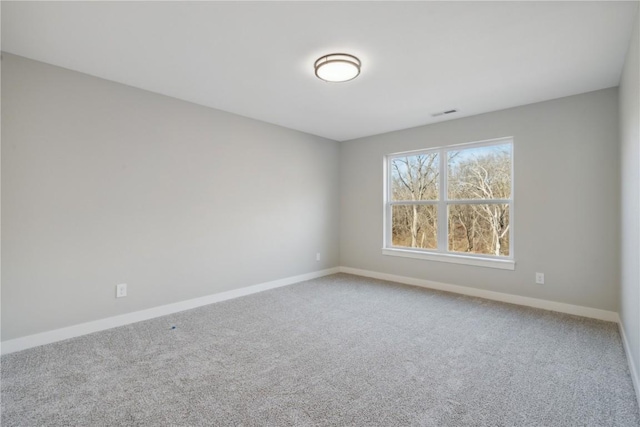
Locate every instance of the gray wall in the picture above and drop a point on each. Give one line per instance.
(104, 184)
(630, 189)
(566, 200)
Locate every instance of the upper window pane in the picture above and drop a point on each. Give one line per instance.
(479, 173)
(415, 177)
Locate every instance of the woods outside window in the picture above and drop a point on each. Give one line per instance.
(452, 204)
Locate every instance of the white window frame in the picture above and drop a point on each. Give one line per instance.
(442, 253)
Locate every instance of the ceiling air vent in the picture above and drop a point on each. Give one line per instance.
(442, 113)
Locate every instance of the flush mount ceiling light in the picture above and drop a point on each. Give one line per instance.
(337, 67)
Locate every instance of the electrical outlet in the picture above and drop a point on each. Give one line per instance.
(318, 256)
(540, 278)
(121, 290)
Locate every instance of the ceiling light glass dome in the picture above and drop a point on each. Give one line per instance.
(337, 67)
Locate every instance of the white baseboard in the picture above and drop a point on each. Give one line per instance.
(23, 343)
(630, 360)
(595, 313)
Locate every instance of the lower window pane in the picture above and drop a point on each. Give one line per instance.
(479, 229)
(414, 226)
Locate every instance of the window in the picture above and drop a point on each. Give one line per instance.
(452, 204)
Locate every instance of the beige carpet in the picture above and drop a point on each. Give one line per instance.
(335, 351)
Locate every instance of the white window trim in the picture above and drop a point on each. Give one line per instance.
(442, 254)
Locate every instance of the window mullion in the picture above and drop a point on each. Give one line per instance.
(442, 204)
(387, 237)
(480, 201)
(414, 202)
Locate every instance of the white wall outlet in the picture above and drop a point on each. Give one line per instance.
(540, 278)
(121, 290)
(318, 256)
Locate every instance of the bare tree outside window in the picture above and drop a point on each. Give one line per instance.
(415, 178)
(479, 173)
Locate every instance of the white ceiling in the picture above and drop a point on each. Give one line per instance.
(256, 58)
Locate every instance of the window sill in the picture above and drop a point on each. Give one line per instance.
(503, 264)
